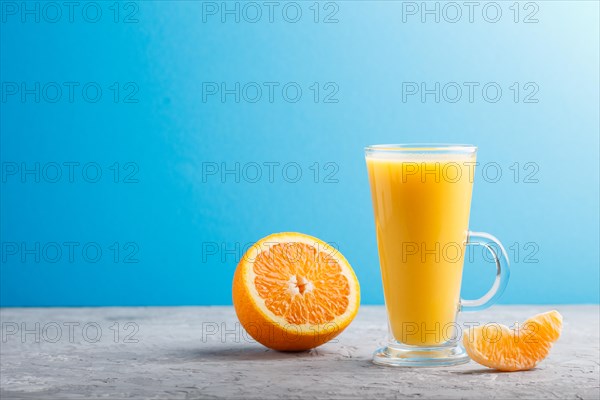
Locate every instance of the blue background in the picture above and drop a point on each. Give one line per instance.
(176, 217)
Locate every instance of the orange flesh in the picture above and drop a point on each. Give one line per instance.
(514, 350)
(301, 284)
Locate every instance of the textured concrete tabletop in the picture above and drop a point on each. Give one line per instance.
(201, 352)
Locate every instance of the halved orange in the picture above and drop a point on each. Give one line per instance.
(521, 348)
(294, 292)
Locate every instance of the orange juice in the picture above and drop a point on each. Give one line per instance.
(421, 204)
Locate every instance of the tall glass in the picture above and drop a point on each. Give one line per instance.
(422, 198)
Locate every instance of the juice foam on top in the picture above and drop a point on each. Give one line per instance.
(392, 156)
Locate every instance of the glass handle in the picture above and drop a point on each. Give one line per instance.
(502, 271)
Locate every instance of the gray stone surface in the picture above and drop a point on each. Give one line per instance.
(201, 352)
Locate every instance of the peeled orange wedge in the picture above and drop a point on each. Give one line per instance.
(294, 292)
(496, 346)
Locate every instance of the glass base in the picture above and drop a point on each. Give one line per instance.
(398, 355)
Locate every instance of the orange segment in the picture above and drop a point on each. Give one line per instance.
(294, 292)
(496, 346)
